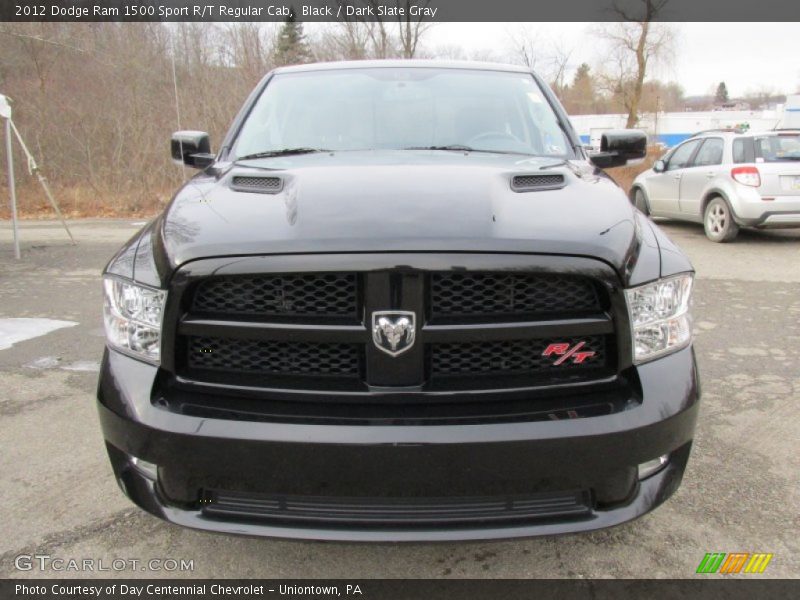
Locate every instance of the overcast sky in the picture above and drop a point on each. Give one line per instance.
(746, 56)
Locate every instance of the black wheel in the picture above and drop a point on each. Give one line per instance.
(718, 221)
(640, 202)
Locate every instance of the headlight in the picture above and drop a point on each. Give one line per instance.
(132, 314)
(660, 319)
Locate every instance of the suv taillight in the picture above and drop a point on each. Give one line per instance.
(746, 176)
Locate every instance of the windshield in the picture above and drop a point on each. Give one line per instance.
(403, 108)
(776, 148)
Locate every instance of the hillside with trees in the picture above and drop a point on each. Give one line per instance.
(97, 102)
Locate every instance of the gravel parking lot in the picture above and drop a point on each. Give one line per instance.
(741, 492)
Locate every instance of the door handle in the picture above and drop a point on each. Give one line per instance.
(677, 175)
(711, 175)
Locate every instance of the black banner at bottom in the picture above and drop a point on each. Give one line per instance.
(398, 589)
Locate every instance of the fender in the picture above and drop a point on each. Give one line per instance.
(712, 193)
(640, 187)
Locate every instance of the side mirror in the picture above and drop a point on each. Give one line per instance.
(659, 166)
(191, 148)
(619, 147)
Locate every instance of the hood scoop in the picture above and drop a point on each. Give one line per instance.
(537, 183)
(257, 183)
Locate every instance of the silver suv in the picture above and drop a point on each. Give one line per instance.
(726, 179)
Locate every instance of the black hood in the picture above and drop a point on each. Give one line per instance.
(398, 201)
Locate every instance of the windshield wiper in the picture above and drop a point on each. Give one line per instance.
(281, 152)
(454, 147)
(463, 148)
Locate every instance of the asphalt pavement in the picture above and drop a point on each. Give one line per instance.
(741, 492)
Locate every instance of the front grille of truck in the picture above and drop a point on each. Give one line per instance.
(290, 295)
(228, 355)
(386, 513)
(473, 359)
(511, 357)
(298, 335)
(509, 295)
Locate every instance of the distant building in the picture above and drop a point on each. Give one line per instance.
(791, 115)
(670, 129)
(733, 105)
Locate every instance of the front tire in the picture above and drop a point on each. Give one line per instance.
(640, 202)
(718, 221)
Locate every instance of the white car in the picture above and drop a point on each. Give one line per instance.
(726, 179)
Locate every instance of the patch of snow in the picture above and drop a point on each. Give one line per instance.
(21, 329)
(83, 365)
(45, 362)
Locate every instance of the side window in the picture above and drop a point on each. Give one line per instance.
(710, 153)
(680, 158)
(743, 151)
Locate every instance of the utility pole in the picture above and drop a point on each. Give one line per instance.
(12, 191)
(655, 124)
(33, 168)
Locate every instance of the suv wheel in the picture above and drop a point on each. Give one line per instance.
(718, 221)
(639, 201)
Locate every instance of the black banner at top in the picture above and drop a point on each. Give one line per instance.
(392, 10)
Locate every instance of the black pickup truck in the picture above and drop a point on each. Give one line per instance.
(401, 302)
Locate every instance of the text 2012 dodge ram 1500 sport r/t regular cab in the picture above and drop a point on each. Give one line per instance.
(402, 302)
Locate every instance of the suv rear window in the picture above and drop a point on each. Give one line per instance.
(743, 150)
(776, 148)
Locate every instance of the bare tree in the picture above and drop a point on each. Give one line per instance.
(448, 52)
(558, 60)
(41, 44)
(411, 28)
(549, 58)
(524, 47)
(371, 33)
(362, 37)
(761, 97)
(96, 102)
(249, 47)
(381, 39)
(347, 39)
(635, 42)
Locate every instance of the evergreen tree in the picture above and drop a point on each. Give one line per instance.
(292, 47)
(583, 79)
(582, 91)
(722, 93)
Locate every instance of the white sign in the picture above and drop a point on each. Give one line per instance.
(5, 107)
